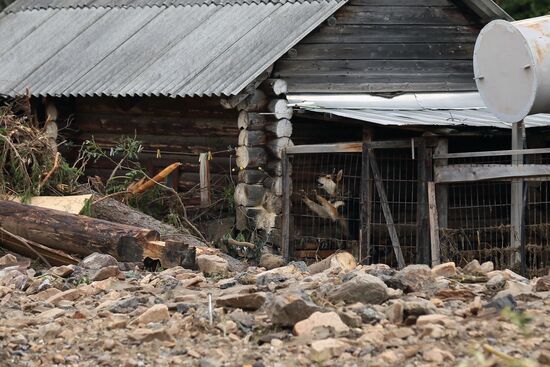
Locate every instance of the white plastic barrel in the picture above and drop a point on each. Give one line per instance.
(512, 67)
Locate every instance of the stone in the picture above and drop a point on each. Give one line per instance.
(487, 267)
(156, 313)
(14, 278)
(499, 303)
(396, 312)
(50, 314)
(368, 314)
(542, 284)
(50, 331)
(144, 335)
(473, 268)
(97, 261)
(415, 277)
(319, 320)
(212, 265)
(363, 288)
(209, 362)
(247, 301)
(227, 283)
(271, 261)
(496, 283)
(444, 270)
(322, 350)
(106, 272)
(351, 319)
(8, 260)
(62, 271)
(68, 295)
(437, 319)
(437, 355)
(46, 294)
(288, 309)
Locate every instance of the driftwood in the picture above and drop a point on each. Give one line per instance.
(117, 212)
(343, 260)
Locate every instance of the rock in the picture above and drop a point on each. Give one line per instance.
(501, 302)
(227, 283)
(444, 270)
(97, 261)
(143, 335)
(437, 355)
(50, 315)
(320, 320)
(396, 312)
(209, 362)
(246, 301)
(62, 271)
(288, 309)
(322, 350)
(414, 277)
(8, 260)
(212, 265)
(438, 319)
(351, 319)
(50, 331)
(487, 267)
(363, 288)
(271, 261)
(496, 283)
(106, 272)
(367, 313)
(473, 268)
(68, 295)
(244, 320)
(14, 277)
(543, 284)
(156, 313)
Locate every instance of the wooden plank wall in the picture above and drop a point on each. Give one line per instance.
(385, 46)
(179, 128)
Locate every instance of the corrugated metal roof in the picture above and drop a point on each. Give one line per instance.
(172, 51)
(21, 5)
(466, 117)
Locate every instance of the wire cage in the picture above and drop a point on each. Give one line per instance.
(479, 219)
(325, 203)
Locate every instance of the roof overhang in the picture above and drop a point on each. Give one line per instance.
(487, 9)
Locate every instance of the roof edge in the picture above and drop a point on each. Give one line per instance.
(487, 9)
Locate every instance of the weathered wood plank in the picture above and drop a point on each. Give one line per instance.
(326, 148)
(401, 15)
(434, 225)
(469, 173)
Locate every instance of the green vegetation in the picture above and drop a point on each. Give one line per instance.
(521, 9)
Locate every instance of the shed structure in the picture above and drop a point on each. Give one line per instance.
(247, 80)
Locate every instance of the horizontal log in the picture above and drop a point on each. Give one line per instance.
(252, 176)
(251, 120)
(275, 185)
(276, 146)
(280, 128)
(275, 168)
(251, 138)
(274, 87)
(251, 157)
(256, 102)
(279, 108)
(249, 195)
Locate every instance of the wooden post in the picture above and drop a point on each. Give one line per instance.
(285, 245)
(434, 225)
(386, 210)
(424, 157)
(206, 195)
(442, 191)
(366, 200)
(518, 143)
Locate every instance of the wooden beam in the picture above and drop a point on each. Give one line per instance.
(434, 225)
(386, 210)
(204, 171)
(481, 172)
(424, 163)
(285, 231)
(442, 190)
(491, 153)
(366, 200)
(355, 147)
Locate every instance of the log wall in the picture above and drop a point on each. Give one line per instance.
(170, 129)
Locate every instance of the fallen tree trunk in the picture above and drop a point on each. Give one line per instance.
(75, 234)
(114, 211)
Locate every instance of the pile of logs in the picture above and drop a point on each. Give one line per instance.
(265, 130)
(58, 237)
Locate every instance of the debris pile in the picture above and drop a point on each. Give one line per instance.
(102, 312)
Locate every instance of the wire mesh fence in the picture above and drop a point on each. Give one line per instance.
(325, 203)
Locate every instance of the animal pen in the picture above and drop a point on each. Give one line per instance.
(409, 201)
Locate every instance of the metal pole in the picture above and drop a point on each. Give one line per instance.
(516, 214)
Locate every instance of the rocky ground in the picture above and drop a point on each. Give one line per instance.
(105, 313)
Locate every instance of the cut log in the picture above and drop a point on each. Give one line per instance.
(274, 87)
(233, 101)
(251, 138)
(280, 109)
(251, 121)
(277, 146)
(275, 185)
(280, 128)
(273, 203)
(249, 195)
(114, 211)
(75, 234)
(252, 176)
(170, 253)
(275, 168)
(251, 157)
(256, 102)
(342, 260)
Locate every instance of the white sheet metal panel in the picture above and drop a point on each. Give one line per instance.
(472, 118)
(171, 51)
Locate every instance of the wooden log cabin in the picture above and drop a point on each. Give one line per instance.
(245, 80)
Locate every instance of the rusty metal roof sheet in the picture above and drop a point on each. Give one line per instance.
(170, 51)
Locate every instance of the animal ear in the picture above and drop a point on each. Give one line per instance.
(339, 175)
